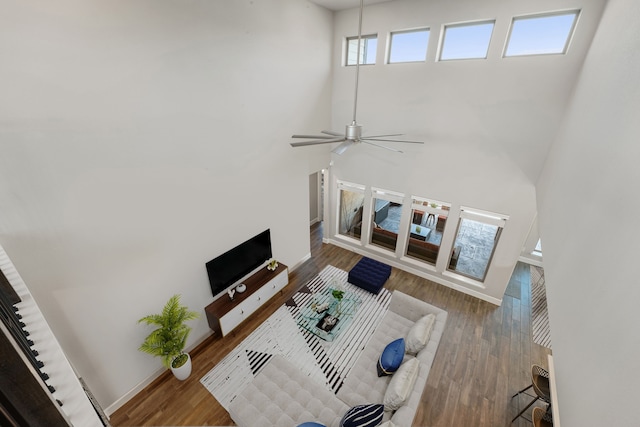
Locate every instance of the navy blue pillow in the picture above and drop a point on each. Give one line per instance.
(311, 424)
(363, 416)
(391, 357)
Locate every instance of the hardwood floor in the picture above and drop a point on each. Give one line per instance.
(484, 357)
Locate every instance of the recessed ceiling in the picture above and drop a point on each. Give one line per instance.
(344, 4)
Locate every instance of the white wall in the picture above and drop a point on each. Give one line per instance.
(509, 106)
(484, 181)
(140, 140)
(486, 131)
(527, 255)
(589, 213)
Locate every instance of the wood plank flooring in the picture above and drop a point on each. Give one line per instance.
(484, 357)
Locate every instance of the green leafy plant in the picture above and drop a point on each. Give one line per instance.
(169, 339)
(337, 294)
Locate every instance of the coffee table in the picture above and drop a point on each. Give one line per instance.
(329, 323)
(422, 234)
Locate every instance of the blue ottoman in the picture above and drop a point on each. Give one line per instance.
(369, 275)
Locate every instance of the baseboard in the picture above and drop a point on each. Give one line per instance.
(109, 410)
(424, 274)
(304, 259)
(151, 378)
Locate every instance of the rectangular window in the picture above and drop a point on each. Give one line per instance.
(387, 211)
(408, 46)
(466, 41)
(350, 209)
(368, 48)
(476, 240)
(541, 34)
(428, 219)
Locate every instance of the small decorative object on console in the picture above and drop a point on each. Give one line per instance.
(241, 288)
(273, 264)
(231, 293)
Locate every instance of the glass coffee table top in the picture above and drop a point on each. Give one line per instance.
(325, 317)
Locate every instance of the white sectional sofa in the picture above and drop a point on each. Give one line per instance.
(281, 395)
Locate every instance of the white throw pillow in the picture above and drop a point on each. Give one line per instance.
(419, 334)
(401, 385)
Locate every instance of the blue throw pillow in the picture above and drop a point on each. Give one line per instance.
(363, 416)
(391, 357)
(311, 424)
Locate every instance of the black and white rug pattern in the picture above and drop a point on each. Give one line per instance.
(325, 362)
(539, 313)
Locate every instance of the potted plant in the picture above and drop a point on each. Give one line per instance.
(338, 294)
(169, 339)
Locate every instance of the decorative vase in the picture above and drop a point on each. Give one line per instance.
(183, 372)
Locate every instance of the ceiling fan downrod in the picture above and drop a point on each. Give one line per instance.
(355, 98)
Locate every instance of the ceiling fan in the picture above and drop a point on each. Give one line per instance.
(353, 132)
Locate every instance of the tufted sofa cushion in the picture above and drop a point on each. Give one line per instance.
(281, 395)
(363, 384)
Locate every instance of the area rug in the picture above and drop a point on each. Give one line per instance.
(325, 362)
(539, 313)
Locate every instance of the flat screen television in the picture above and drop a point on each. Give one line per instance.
(236, 263)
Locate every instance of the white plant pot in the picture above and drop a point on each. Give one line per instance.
(183, 372)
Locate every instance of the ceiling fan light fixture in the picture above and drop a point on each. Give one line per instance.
(353, 131)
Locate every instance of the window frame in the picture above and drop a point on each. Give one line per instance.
(412, 30)
(443, 34)
(575, 12)
(391, 197)
(354, 188)
(424, 204)
(363, 39)
(484, 217)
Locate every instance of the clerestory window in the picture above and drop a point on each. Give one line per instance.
(368, 48)
(541, 34)
(408, 46)
(466, 41)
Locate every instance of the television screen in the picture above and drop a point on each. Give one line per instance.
(236, 263)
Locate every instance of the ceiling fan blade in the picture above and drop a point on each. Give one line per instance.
(330, 132)
(316, 142)
(314, 136)
(382, 146)
(393, 140)
(343, 147)
(382, 136)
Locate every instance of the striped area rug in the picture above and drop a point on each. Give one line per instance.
(539, 313)
(325, 362)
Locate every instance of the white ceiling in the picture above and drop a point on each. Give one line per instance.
(344, 4)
